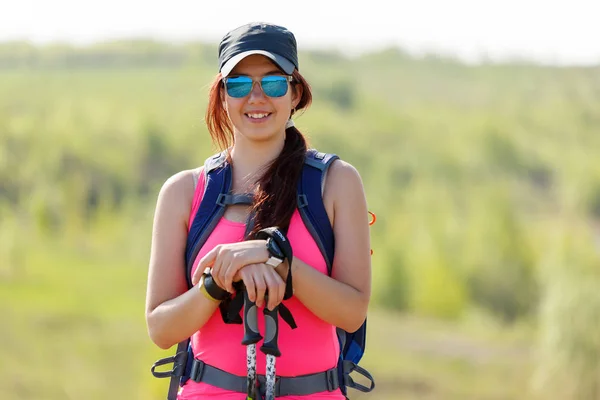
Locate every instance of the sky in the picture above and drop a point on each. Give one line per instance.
(547, 31)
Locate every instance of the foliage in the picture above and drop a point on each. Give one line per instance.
(471, 170)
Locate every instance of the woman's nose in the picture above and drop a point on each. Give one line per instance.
(256, 92)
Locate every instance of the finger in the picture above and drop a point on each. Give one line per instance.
(209, 258)
(230, 271)
(249, 284)
(261, 288)
(224, 274)
(213, 261)
(220, 266)
(272, 294)
(216, 273)
(215, 277)
(238, 276)
(196, 276)
(274, 283)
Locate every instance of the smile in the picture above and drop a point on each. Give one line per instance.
(257, 115)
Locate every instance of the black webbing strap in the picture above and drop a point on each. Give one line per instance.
(179, 361)
(235, 199)
(348, 368)
(326, 381)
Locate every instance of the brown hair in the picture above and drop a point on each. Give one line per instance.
(275, 201)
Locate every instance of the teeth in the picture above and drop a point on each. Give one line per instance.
(257, 116)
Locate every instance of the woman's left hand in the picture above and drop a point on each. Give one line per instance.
(263, 284)
(225, 260)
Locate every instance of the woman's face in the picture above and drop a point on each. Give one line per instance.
(256, 116)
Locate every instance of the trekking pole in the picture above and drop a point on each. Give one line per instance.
(271, 348)
(251, 337)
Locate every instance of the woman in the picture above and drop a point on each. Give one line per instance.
(252, 100)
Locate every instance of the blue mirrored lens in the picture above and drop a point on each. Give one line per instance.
(239, 86)
(274, 86)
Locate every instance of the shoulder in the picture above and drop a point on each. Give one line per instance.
(341, 178)
(343, 184)
(178, 183)
(177, 192)
(343, 189)
(342, 170)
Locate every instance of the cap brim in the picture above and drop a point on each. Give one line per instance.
(281, 61)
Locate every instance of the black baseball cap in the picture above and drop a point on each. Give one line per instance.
(273, 41)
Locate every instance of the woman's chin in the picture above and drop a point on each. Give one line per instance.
(260, 133)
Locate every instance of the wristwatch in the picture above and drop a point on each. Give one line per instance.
(276, 255)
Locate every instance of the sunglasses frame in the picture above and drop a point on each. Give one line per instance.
(288, 78)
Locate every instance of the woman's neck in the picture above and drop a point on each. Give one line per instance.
(249, 160)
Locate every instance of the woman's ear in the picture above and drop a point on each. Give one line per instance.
(297, 95)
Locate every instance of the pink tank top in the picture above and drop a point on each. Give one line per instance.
(311, 347)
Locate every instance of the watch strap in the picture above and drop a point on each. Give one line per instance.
(274, 261)
(214, 290)
(203, 290)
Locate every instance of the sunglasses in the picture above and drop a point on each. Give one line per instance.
(271, 85)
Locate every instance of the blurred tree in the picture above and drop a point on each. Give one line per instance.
(503, 278)
(569, 345)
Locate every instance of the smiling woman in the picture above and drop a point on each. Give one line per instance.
(257, 98)
(233, 232)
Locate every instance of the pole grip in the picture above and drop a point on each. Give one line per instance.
(251, 333)
(270, 345)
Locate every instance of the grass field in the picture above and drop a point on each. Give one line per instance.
(485, 181)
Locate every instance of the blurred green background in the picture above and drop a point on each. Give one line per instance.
(485, 181)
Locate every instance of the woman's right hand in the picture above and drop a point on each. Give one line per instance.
(260, 279)
(226, 260)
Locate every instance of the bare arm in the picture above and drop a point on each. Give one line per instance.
(342, 299)
(173, 313)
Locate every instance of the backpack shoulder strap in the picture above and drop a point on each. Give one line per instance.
(217, 178)
(310, 202)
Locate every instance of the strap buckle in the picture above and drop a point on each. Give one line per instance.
(302, 201)
(179, 360)
(333, 382)
(197, 370)
(221, 200)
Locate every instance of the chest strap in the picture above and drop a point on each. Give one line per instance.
(284, 386)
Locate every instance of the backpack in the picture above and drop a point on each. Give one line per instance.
(216, 198)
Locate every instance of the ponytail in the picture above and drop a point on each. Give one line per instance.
(276, 201)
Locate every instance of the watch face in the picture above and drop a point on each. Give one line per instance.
(274, 249)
